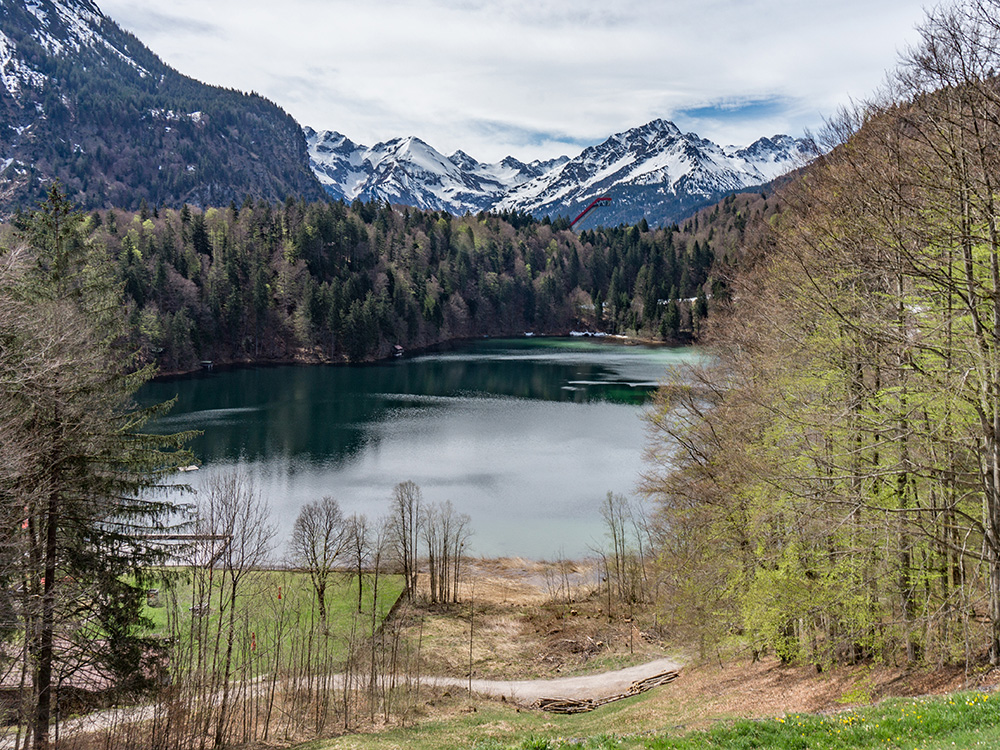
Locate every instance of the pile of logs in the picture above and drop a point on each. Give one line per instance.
(582, 705)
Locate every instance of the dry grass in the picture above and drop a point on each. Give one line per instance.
(527, 626)
(530, 619)
(514, 581)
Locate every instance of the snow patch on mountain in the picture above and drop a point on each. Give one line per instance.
(14, 72)
(656, 156)
(770, 157)
(411, 172)
(61, 27)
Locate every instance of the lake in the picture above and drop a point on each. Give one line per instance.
(526, 436)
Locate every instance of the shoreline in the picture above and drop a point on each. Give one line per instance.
(305, 358)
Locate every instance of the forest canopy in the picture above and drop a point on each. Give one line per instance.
(830, 490)
(328, 282)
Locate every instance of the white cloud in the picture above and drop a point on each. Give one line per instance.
(532, 78)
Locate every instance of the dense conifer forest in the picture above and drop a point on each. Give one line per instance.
(327, 282)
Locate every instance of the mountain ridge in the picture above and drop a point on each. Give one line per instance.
(84, 102)
(393, 169)
(653, 171)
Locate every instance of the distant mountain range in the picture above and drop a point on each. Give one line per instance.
(654, 171)
(84, 102)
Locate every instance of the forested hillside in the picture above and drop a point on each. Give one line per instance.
(327, 282)
(84, 102)
(830, 490)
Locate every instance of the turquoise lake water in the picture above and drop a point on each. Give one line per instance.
(526, 436)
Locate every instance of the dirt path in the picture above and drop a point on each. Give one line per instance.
(521, 692)
(528, 692)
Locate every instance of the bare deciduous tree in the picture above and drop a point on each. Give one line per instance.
(319, 538)
(235, 510)
(406, 517)
(445, 534)
(358, 548)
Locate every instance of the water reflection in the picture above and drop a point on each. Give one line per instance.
(524, 436)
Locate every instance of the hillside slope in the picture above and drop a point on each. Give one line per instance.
(85, 102)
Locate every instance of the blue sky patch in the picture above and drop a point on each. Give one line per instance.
(749, 109)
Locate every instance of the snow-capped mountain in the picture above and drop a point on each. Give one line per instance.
(410, 172)
(84, 102)
(654, 171)
(659, 162)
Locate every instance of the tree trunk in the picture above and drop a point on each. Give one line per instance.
(46, 635)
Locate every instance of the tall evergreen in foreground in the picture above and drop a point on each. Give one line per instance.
(80, 486)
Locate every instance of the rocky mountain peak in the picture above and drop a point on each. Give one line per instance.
(679, 169)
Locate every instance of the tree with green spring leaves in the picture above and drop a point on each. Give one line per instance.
(837, 477)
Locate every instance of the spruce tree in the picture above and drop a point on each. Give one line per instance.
(86, 486)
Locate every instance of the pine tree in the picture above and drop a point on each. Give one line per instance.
(85, 484)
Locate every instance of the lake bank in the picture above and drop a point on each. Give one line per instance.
(306, 357)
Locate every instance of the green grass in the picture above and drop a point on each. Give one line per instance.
(494, 726)
(269, 598)
(966, 720)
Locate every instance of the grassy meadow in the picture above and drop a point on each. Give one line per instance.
(190, 604)
(962, 720)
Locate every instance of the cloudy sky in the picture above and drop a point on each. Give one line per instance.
(534, 78)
